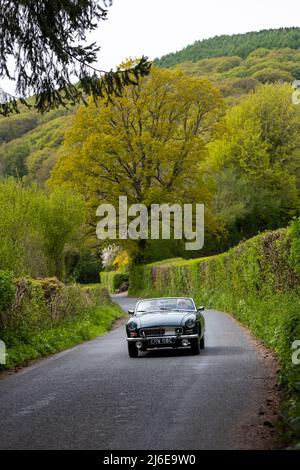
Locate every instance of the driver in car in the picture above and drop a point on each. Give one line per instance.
(151, 306)
(182, 303)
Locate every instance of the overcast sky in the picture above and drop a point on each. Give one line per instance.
(156, 27)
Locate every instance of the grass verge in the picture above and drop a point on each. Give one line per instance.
(45, 316)
(88, 324)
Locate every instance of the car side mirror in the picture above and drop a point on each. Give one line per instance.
(130, 312)
(200, 309)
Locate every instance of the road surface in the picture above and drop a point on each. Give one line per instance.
(95, 397)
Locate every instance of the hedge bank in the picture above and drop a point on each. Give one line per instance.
(112, 280)
(258, 282)
(40, 317)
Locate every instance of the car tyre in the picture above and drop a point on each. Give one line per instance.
(132, 350)
(202, 342)
(195, 347)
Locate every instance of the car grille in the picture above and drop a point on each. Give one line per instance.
(163, 331)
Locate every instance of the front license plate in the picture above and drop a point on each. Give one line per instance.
(154, 341)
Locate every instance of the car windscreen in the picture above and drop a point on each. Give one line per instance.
(165, 305)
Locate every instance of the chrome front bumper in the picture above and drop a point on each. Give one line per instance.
(145, 338)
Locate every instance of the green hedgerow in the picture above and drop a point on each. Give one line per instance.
(7, 290)
(294, 235)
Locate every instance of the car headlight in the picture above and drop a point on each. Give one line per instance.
(132, 326)
(190, 323)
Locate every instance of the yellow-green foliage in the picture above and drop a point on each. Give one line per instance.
(35, 227)
(7, 290)
(47, 316)
(102, 151)
(255, 163)
(146, 144)
(236, 76)
(256, 282)
(295, 245)
(30, 143)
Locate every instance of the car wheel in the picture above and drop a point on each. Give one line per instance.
(195, 347)
(132, 350)
(202, 342)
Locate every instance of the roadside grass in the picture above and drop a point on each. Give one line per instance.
(42, 317)
(85, 326)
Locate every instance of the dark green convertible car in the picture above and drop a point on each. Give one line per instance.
(165, 322)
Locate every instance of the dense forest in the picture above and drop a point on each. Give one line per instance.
(235, 45)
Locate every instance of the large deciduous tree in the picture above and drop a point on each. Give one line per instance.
(255, 163)
(146, 145)
(46, 43)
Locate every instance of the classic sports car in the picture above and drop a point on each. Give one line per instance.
(165, 322)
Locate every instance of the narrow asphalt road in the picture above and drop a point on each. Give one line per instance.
(95, 397)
